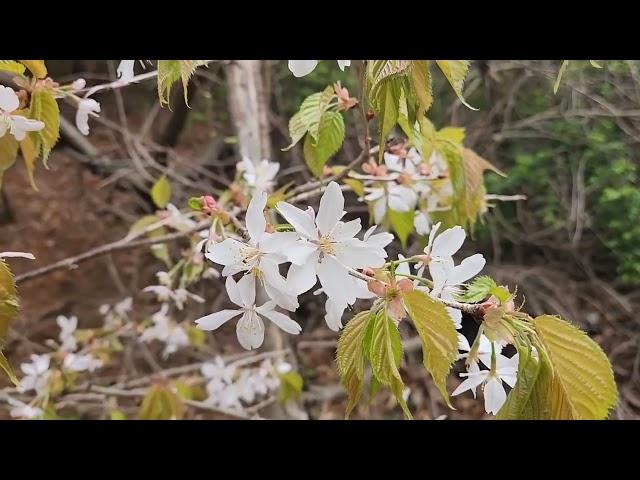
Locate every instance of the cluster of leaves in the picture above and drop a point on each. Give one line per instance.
(8, 310)
(170, 71)
(40, 104)
(372, 337)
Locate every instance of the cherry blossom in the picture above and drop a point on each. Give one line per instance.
(68, 326)
(86, 107)
(17, 125)
(327, 248)
(80, 363)
(261, 175)
(36, 373)
(250, 327)
(167, 331)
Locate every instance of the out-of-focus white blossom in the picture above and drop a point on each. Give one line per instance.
(36, 373)
(86, 107)
(17, 125)
(167, 331)
(300, 68)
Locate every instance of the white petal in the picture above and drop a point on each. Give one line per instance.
(299, 219)
(282, 321)
(256, 223)
(9, 100)
(214, 320)
(463, 343)
(456, 317)
(85, 106)
(343, 63)
(247, 290)
(301, 278)
(379, 209)
(448, 242)
(334, 279)
(271, 273)
(358, 254)
(227, 252)
(300, 68)
(300, 252)
(494, 395)
(125, 70)
(344, 231)
(467, 269)
(30, 256)
(250, 330)
(234, 291)
(283, 299)
(19, 126)
(470, 383)
(331, 208)
(438, 273)
(334, 314)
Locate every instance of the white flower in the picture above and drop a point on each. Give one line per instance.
(260, 256)
(36, 373)
(78, 84)
(16, 124)
(179, 296)
(327, 248)
(17, 255)
(494, 392)
(260, 175)
(447, 277)
(407, 165)
(218, 370)
(81, 363)
(23, 410)
(166, 331)
(179, 220)
(396, 197)
(484, 351)
(300, 68)
(438, 164)
(68, 326)
(250, 327)
(125, 71)
(85, 107)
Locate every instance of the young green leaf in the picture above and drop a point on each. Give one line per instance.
(161, 192)
(329, 140)
(12, 66)
(44, 108)
(582, 386)
(8, 310)
(29, 154)
(36, 67)
(161, 403)
(8, 153)
(456, 71)
(529, 365)
(291, 384)
(438, 335)
(386, 354)
(350, 358)
(402, 223)
(420, 79)
(479, 289)
(170, 71)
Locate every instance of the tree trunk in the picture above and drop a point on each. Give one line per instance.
(249, 105)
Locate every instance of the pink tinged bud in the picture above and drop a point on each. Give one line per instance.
(396, 309)
(377, 287)
(405, 285)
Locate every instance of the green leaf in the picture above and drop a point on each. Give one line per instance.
(595, 64)
(195, 203)
(478, 290)
(402, 223)
(8, 309)
(6, 367)
(356, 185)
(456, 71)
(386, 354)
(307, 119)
(161, 403)
(582, 385)
(29, 154)
(36, 67)
(563, 67)
(161, 192)
(329, 140)
(291, 384)
(529, 366)
(420, 78)
(8, 153)
(12, 66)
(388, 97)
(44, 108)
(381, 70)
(438, 335)
(170, 71)
(350, 357)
